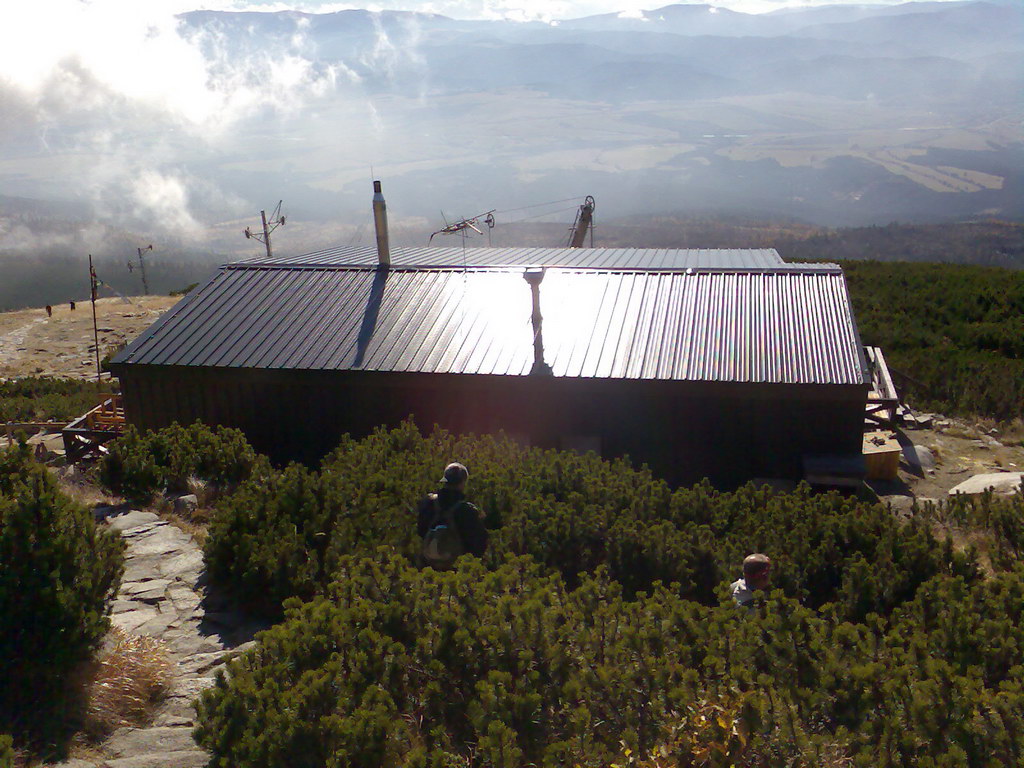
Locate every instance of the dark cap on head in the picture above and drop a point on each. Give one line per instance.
(755, 564)
(455, 473)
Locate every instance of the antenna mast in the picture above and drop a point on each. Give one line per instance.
(584, 221)
(142, 268)
(95, 330)
(276, 220)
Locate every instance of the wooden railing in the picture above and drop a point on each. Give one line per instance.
(86, 436)
(108, 415)
(883, 399)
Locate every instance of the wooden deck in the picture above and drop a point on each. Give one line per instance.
(86, 436)
(883, 400)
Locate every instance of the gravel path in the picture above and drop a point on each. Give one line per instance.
(32, 344)
(162, 596)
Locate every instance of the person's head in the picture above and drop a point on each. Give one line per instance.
(757, 571)
(455, 476)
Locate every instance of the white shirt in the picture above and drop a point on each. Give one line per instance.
(741, 593)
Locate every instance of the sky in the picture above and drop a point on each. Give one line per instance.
(521, 10)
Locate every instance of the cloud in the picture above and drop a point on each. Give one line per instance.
(160, 194)
(110, 91)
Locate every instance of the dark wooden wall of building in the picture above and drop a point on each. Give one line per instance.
(685, 431)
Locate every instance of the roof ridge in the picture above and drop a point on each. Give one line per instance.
(786, 268)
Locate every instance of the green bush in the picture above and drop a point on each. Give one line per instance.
(509, 667)
(37, 398)
(957, 331)
(139, 465)
(6, 752)
(595, 619)
(283, 534)
(58, 571)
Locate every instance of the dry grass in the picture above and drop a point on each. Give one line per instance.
(194, 522)
(80, 485)
(963, 535)
(129, 677)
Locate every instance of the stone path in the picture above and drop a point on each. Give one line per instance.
(162, 595)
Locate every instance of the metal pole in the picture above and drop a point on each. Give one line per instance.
(266, 234)
(95, 330)
(142, 266)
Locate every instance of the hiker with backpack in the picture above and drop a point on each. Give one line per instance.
(448, 524)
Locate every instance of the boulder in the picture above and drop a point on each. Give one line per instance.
(186, 505)
(918, 457)
(1003, 483)
(924, 420)
(898, 502)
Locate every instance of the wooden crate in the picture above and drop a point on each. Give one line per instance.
(882, 455)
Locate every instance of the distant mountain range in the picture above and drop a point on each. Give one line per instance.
(836, 115)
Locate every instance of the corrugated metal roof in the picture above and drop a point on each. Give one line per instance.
(591, 258)
(774, 325)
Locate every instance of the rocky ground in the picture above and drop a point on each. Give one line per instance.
(33, 344)
(941, 457)
(163, 595)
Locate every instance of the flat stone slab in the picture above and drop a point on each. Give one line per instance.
(120, 606)
(125, 742)
(134, 588)
(192, 758)
(164, 541)
(132, 519)
(1002, 483)
(176, 710)
(142, 567)
(129, 621)
(185, 717)
(204, 664)
(161, 596)
(187, 563)
(191, 687)
(158, 625)
(146, 529)
(152, 595)
(183, 598)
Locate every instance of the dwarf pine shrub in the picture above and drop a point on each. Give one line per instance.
(139, 465)
(510, 667)
(283, 534)
(596, 629)
(58, 571)
(38, 398)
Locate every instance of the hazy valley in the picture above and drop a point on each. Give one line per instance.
(835, 116)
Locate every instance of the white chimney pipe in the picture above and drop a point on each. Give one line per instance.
(534, 275)
(380, 221)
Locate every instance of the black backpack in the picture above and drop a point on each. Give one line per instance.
(442, 543)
